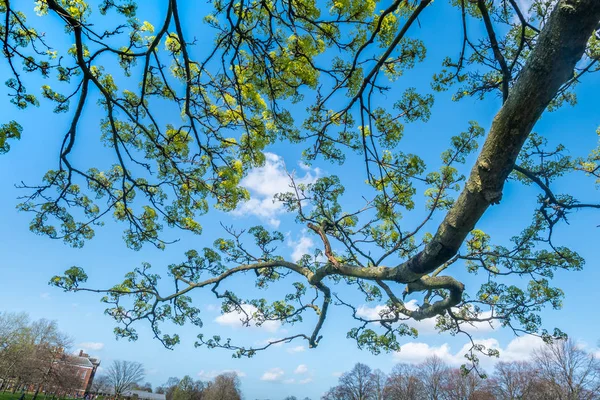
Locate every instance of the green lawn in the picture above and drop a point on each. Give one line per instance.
(28, 396)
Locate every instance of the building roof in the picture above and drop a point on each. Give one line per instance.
(140, 394)
(80, 361)
(145, 395)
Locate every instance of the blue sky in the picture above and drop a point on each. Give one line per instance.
(28, 261)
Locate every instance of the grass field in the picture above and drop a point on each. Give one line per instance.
(28, 396)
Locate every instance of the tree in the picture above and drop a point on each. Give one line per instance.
(403, 383)
(45, 361)
(32, 355)
(358, 384)
(567, 371)
(379, 378)
(461, 386)
(14, 329)
(146, 387)
(169, 387)
(188, 389)
(234, 99)
(63, 378)
(433, 373)
(124, 375)
(224, 387)
(100, 384)
(515, 380)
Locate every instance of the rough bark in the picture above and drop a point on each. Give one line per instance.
(560, 46)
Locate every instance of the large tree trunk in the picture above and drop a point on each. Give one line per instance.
(560, 46)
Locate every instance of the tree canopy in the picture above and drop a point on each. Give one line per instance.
(186, 119)
(33, 354)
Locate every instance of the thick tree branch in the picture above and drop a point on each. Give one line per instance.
(560, 46)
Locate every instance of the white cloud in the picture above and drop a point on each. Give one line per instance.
(416, 352)
(297, 349)
(518, 349)
(305, 381)
(273, 375)
(94, 346)
(302, 246)
(208, 375)
(237, 319)
(337, 374)
(301, 369)
(265, 182)
(45, 295)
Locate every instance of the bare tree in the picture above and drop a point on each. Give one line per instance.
(569, 371)
(432, 373)
(358, 384)
(404, 383)
(100, 384)
(123, 375)
(459, 385)
(63, 378)
(45, 362)
(379, 379)
(514, 380)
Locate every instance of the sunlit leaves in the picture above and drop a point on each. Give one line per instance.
(184, 119)
(60, 99)
(70, 280)
(11, 130)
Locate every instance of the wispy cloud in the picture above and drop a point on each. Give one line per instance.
(273, 375)
(301, 369)
(296, 349)
(208, 375)
(93, 346)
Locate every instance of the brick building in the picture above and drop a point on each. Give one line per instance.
(85, 368)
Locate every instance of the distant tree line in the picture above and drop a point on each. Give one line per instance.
(32, 356)
(559, 371)
(225, 386)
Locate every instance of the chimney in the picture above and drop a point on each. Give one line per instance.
(80, 353)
